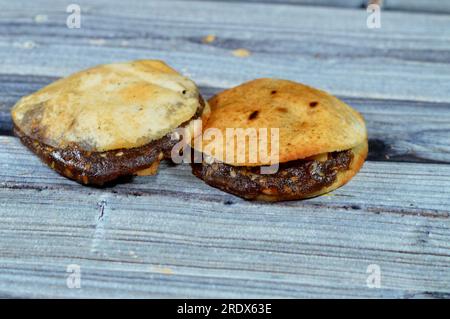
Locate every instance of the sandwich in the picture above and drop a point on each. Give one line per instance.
(321, 142)
(109, 121)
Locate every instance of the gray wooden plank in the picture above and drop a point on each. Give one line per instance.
(325, 47)
(433, 6)
(403, 188)
(164, 246)
(422, 135)
(326, 3)
(430, 6)
(173, 236)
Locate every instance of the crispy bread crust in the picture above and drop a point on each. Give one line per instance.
(109, 107)
(310, 121)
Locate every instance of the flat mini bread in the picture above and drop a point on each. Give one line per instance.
(108, 121)
(310, 121)
(322, 141)
(112, 106)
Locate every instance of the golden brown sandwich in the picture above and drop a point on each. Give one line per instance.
(108, 121)
(320, 145)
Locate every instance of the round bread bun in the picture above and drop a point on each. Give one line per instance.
(310, 121)
(109, 121)
(108, 107)
(322, 141)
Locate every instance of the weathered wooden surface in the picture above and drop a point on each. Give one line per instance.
(173, 236)
(425, 186)
(429, 6)
(433, 6)
(327, 3)
(324, 47)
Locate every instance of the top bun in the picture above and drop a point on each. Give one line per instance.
(108, 107)
(310, 121)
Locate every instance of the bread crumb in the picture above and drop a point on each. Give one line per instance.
(163, 270)
(25, 45)
(209, 38)
(40, 18)
(241, 53)
(98, 42)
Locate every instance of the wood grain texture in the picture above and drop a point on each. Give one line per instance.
(173, 236)
(326, 3)
(19, 168)
(423, 135)
(408, 58)
(433, 6)
(421, 6)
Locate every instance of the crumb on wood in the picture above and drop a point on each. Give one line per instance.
(163, 270)
(241, 53)
(40, 18)
(209, 38)
(97, 41)
(25, 45)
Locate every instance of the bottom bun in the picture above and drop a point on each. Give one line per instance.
(294, 180)
(342, 178)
